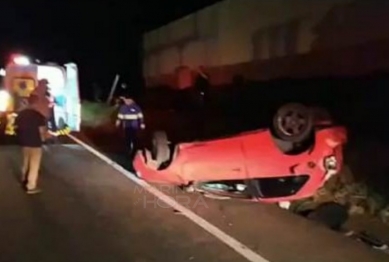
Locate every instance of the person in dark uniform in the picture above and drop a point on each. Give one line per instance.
(31, 132)
(130, 119)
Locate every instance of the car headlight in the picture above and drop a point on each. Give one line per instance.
(330, 163)
(4, 100)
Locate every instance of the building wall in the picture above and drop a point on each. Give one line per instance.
(260, 31)
(190, 41)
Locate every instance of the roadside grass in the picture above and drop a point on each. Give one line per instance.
(95, 114)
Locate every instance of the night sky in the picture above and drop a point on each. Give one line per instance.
(102, 37)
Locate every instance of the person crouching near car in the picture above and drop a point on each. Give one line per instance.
(31, 130)
(130, 119)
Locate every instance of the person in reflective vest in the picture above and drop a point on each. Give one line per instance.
(130, 118)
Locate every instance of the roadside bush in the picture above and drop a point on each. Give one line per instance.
(357, 196)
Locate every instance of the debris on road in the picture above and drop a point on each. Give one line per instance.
(177, 212)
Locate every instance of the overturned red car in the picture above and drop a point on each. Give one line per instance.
(289, 161)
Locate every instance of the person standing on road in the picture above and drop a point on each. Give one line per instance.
(31, 126)
(130, 118)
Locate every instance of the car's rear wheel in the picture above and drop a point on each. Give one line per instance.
(293, 123)
(160, 151)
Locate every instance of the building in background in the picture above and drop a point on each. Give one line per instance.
(261, 39)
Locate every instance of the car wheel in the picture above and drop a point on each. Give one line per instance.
(293, 123)
(160, 147)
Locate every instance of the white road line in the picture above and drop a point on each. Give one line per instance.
(240, 248)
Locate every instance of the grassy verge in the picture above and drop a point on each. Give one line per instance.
(96, 114)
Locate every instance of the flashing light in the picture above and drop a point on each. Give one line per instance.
(21, 60)
(4, 100)
(2, 72)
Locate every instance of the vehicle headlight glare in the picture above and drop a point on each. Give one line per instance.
(4, 100)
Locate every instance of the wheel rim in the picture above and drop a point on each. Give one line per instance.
(292, 122)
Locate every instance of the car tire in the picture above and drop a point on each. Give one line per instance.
(293, 123)
(160, 147)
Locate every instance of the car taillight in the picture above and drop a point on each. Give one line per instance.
(330, 163)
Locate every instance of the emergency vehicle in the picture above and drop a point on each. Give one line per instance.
(20, 78)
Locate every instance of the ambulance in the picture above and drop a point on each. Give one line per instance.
(20, 78)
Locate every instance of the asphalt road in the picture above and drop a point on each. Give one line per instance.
(88, 211)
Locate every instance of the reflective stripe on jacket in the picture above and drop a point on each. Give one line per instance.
(131, 116)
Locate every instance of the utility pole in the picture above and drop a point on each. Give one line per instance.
(113, 88)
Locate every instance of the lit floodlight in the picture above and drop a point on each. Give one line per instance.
(21, 60)
(4, 100)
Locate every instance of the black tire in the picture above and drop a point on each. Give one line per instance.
(160, 147)
(300, 123)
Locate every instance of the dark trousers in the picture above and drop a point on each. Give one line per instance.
(131, 140)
